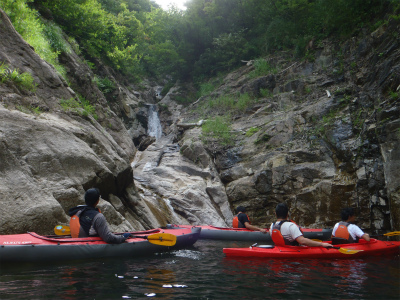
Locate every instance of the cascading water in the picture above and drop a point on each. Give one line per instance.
(154, 125)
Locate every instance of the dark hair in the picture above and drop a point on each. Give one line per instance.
(92, 196)
(346, 213)
(240, 208)
(281, 211)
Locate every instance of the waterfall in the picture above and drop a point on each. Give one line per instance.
(154, 125)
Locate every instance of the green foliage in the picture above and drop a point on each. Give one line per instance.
(224, 102)
(394, 95)
(183, 100)
(261, 68)
(138, 39)
(244, 101)
(264, 138)
(23, 80)
(55, 38)
(218, 128)
(32, 29)
(105, 84)
(252, 131)
(266, 93)
(231, 102)
(112, 37)
(82, 107)
(206, 88)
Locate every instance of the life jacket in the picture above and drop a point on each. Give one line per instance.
(277, 236)
(81, 217)
(236, 223)
(342, 235)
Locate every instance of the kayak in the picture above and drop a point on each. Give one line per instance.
(243, 234)
(31, 247)
(362, 249)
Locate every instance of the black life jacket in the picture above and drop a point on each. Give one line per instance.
(277, 236)
(82, 217)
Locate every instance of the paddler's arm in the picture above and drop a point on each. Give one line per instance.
(366, 237)
(358, 232)
(310, 243)
(101, 227)
(254, 228)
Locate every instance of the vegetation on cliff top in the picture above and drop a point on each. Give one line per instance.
(139, 39)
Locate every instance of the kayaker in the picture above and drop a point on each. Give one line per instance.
(241, 220)
(87, 220)
(345, 232)
(286, 232)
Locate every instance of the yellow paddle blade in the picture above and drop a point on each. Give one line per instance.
(62, 230)
(393, 233)
(348, 251)
(317, 240)
(164, 239)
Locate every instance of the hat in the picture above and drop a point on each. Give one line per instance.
(92, 196)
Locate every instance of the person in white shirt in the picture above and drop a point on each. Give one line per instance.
(345, 232)
(290, 232)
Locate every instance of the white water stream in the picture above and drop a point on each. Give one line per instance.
(154, 125)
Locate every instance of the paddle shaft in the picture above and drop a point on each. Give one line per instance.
(393, 233)
(163, 239)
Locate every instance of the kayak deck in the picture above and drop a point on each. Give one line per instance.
(31, 247)
(363, 249)
(244, 234)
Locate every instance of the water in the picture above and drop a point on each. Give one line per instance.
(154, 125)
(203, 272)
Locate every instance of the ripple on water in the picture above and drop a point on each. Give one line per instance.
(195, 255)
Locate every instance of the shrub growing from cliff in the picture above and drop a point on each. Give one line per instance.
(23, 80)
(218, 129)
(82, 107)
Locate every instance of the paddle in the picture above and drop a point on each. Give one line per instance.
(345, 251)
(341, 250)
(393, 233)
(62, 230)
(163, 239)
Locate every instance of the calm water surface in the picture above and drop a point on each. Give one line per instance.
(203, 272)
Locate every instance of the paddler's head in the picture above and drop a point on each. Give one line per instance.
(347, 214)
(240, 209)
(92, 197)
(282, 211)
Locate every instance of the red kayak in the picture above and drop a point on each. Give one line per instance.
(356, 250)
(243, 234)
(31, 247)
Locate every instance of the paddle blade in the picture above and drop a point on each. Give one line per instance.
(348, 251)
(393, 233)
(62, 230)
(163, 239)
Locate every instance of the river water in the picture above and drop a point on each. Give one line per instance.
(203, 272)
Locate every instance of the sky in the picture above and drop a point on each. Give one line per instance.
(164, 3)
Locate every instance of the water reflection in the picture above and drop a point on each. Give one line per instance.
(342, 279)
(203, 272)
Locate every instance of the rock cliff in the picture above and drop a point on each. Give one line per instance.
(321, 134)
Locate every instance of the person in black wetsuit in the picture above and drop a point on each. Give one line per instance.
(87, 220)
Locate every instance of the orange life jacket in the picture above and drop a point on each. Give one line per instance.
(237, 224)
(342, 235)
(75, 224)
(277, 236)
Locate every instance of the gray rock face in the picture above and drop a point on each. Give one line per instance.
(326, 137)
(48, 160)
